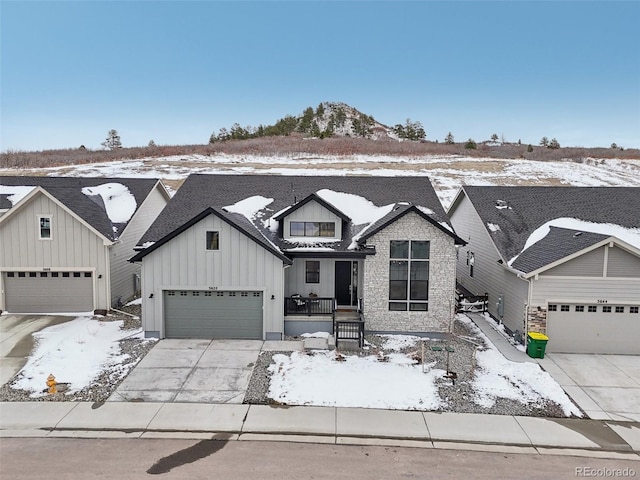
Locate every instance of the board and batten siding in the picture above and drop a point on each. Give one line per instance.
(488, 275)
(72, 247)
(312, 212)
(295, 277)
(184, 263)
(122, 271)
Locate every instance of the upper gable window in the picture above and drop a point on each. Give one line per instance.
(213, 240)
(313, 229)
(44, 224)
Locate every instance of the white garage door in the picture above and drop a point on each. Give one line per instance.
(213, 314)
(48, 292)
(584, 328)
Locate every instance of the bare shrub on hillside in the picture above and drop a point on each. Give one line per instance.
(297, 144)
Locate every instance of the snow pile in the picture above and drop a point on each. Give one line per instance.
(399, 342)
(15, 193)
(75, 352)
(249, 207)
(365, 382)
(359, 209)
(628, 235)
(119, 202)
(316, 335)
(524, 382)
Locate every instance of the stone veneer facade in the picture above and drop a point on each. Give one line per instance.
(442, 279)
(537, 321)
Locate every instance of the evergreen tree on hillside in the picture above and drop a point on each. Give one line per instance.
(320, 110)
(363, 125)
(448, 139)
(544, 142)
(304, 125)
(112, 141)
(554, 144)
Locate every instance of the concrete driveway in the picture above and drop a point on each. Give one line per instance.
(16, 341)
(606, 387)
(202, 371)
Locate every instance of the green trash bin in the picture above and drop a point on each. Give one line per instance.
(536, 344)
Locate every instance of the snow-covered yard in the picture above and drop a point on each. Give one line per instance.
(87, 355)
(392, 377)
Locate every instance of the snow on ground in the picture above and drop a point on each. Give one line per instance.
(75, 352)
(525, 382)
(447, 173)
(316, 335)
(119, 202)
(398, 383)
(324, 380)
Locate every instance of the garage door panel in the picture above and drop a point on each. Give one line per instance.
(48, 292)
(594, 332)
(205, 314)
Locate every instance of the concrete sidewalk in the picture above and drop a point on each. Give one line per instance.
(357, 426)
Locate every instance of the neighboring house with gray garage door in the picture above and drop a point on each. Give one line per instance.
(564, 261)
(261, 256)
(65, 242)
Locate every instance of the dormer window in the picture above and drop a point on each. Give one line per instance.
(313, 229)
(44, 222)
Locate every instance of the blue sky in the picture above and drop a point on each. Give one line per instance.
(176, 71)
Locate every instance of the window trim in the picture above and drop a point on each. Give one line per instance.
(328, 228)
(311, 273)
(408, 303)
(40, 227)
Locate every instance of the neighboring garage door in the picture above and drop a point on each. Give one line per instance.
(584, 328)
(48, 292)
(213, 314)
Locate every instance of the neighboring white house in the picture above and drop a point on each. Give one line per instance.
(65, 242)
(564, 261)
(251, 256)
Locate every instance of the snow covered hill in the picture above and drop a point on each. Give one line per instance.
(447, 173)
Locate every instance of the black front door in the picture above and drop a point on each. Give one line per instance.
(343, 283)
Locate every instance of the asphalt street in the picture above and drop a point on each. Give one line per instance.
(68, 459)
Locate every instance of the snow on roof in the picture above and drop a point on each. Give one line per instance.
(119, 202)
(15, 193)
(359, 209)
(493, 227)
(249, 207)
(310, 249)
(628, 235)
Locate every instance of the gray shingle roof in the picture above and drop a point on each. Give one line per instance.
(558, 244)
(518, 211)
(68, 190)
(201, 191)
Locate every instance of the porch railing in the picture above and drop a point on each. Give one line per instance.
(350, 328)
(298, 305)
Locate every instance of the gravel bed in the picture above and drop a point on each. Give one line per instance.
(457, 395)
(106, 383)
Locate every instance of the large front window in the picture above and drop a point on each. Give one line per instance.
(409, 275)
(313, 229)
